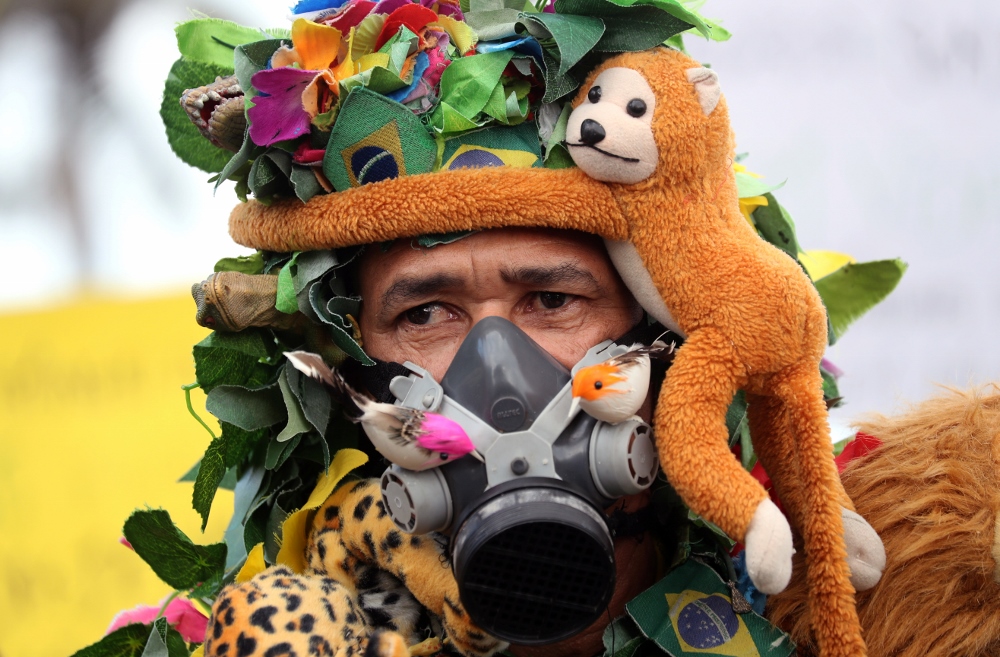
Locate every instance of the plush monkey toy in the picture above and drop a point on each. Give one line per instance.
(654, 126)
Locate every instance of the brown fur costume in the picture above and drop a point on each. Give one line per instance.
(932, 491)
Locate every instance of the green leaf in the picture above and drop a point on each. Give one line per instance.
(311, 266)
(557, 85)
(854, 289)
(252, 57)
(574, 36)
(747, 185)
(678, 10)
(736, 415)
(185, 139)
(559, 158)
(493, 20)
(640, 28)
(333, 313)
(628, 27)
(128, 641)
(239, 443)
(247, 409)
(497, 104)
(285, 301)
(312, 396)
(244, 494)
(233, 359)
(775, 225)
(831, 392)
(622, 638)
(251, 264)
(297, 423)
(468, 82)
(304, 183)
(265, 177)
(164, 641)
(210, 474)
(278, 452)
(212, 40)
(172, 556)
(366, 34)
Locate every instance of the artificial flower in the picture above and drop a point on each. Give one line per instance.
(450, 8)
(834, 371)
(413, 17)
(277, 114)
(350, 15)
(307, 155)
(386, 7)
(418, 68)
(180, 613)
(314, 47)
(463, 36)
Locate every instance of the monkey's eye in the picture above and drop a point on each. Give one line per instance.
(636, 107)
(594, 95)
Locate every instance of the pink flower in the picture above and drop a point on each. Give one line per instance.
(180, 613)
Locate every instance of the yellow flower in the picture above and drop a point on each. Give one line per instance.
(749, 204)
(823, 263)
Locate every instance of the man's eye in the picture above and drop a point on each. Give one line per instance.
(552, 300)
(421, 314)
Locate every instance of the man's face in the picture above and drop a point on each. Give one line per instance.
(559, 287)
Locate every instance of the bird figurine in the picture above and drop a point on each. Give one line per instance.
(613, 391)
(408, 437)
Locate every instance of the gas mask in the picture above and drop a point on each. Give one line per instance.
(530, 543)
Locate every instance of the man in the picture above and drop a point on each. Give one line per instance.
(559, 287)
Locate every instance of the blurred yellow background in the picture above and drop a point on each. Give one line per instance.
(93, 424)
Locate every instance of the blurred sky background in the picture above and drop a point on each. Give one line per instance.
(882, 116)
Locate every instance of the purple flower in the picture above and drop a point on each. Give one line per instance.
(278, 114)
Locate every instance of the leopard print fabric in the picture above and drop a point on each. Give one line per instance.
(365, 591)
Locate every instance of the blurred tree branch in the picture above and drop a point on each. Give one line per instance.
(80, 25)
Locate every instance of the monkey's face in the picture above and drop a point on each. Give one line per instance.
(609, 134)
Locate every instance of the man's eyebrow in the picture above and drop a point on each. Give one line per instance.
(413, 288)
(555, 275)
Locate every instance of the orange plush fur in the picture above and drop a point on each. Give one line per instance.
(932, 491)
(752, 318)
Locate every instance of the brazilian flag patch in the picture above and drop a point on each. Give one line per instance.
(376, 139)
(690, 612)
(500, 146)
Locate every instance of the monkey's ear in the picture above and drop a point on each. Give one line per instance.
(706, 85)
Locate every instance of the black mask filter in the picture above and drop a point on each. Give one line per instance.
(530, 545)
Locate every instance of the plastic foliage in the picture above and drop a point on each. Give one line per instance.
(417, 77)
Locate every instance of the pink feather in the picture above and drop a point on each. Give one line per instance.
(440, 435)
